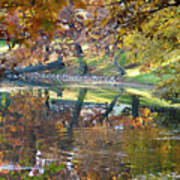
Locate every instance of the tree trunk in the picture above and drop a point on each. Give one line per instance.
(82, 65)
(135, 106)
(79, 104)
(109, 109)
(118, 68)
(40, 67)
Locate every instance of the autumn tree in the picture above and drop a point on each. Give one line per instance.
(146, 30)
(32, 25)
(156, 48)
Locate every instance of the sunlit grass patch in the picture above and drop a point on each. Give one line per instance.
(100, 95)
(104, 95)
(4, 47)
(133, 72)
(147, 98)
(148, 78)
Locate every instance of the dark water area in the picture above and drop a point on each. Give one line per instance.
(86, 133)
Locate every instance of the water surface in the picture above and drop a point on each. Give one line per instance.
(92, 133)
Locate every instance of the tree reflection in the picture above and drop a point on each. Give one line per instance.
(24, 124)
(102, 157)
(30, 123)
(151, 152)
(135, 106)
(78, 107)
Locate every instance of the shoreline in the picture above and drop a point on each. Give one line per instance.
(86, 79)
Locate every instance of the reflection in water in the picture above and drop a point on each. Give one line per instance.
(78, 107)
(135, 106)
(36, 131)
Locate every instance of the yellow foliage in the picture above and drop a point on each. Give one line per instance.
(145, 112)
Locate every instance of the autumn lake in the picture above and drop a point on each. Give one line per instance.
(87, 132)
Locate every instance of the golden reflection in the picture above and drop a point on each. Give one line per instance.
(99, 151)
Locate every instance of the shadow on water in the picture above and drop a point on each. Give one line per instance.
(75, 133)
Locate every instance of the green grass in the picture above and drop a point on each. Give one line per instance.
(106, 95)
(148, 78)
(104, 67)
(2, 44)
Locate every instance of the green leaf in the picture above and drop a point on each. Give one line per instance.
(47, 25)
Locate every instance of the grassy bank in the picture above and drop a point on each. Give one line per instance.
(107, 94)
(103, 66)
